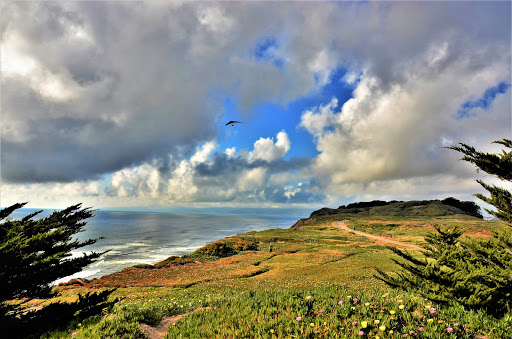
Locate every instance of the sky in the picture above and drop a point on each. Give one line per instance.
(123, 104)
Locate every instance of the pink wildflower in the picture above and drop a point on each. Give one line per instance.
(361, 333)
(321, 310)
(449, 329)
(355, 300)
(340, 302)
(421, 328)
(432, 310)
(456, 324)
(354, 323)
(299, 319)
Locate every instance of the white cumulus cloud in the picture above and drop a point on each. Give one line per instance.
(266, 149)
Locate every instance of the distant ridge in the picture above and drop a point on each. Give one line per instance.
(415, 208)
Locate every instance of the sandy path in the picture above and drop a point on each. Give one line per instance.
(343, 226)
(159, 331)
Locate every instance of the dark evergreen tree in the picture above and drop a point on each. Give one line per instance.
(474, 273)
(35, 253)
(499, 165)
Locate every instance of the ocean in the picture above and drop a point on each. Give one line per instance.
(149, 237)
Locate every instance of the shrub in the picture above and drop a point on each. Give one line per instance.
(476, 274)
(227, 247)
(174, 261)
(144, 266)
(35, 253)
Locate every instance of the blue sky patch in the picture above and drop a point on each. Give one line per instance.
(484, 101)
(266, 48)
(267, 119)
(265, 51)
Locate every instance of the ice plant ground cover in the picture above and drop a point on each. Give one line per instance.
(239, 313)
(318, 282)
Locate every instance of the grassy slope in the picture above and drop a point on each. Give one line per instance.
(315, 259)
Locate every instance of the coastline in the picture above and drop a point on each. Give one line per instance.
(148, 238)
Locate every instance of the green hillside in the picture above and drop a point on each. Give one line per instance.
(415, 208)
(317, 283)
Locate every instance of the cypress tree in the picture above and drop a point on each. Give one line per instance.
(474, 273)
(35, 253)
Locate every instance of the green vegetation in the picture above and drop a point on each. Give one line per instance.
(476, 274)
(33, 254)
(421, 208)
(227, 247)
(259, 294)
(321, 312)
(319, 281)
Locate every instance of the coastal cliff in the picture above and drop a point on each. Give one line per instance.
(415, 208)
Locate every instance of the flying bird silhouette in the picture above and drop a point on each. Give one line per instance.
(233, 122)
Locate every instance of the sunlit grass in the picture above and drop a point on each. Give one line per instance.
(323, 312)
(257, 294)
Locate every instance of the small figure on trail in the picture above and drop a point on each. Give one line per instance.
(353, 228)
(270, 247)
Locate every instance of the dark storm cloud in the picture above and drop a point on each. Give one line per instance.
(61, 136)
(133, 97)
(127, 82)
(136, 77)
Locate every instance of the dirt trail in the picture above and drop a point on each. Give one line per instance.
(343, 226)
(159, 331)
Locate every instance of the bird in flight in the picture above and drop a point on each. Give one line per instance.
(233, 122)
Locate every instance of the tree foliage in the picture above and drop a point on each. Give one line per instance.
(33, 323)
(474, 273)
(35, 253)
(499, 165)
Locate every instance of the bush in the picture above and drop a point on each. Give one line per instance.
(476, 274)
(144, 266)
(35, 253)
(217, 249)
(227, 247)
(174, 261)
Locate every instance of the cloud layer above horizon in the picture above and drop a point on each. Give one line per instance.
(124, 103)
